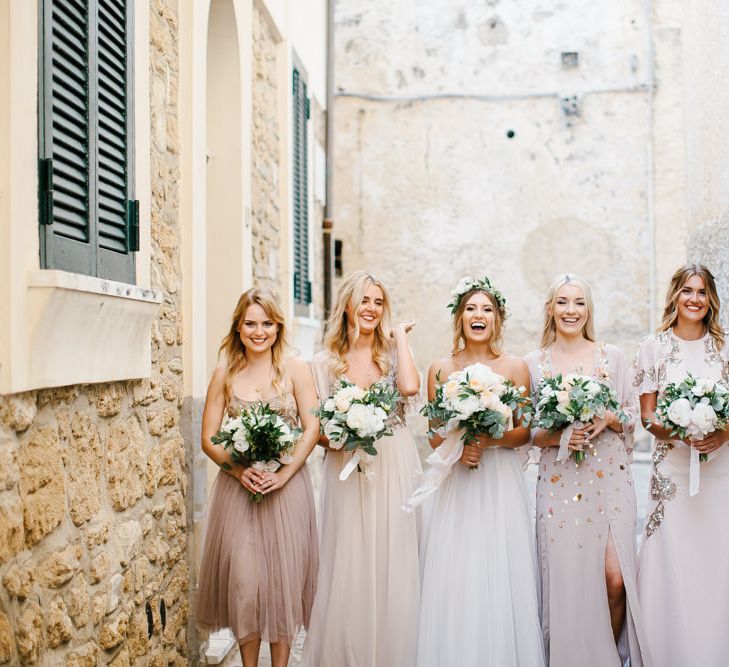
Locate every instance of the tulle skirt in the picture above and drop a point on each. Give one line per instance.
(479, 603)
(259, 564)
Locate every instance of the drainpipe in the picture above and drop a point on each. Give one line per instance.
(328, 223)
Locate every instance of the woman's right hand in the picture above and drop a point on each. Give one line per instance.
(578, 440)
(471, 455)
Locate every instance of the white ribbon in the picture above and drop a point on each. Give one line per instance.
(563, 453)
(361, 459)
(441, 464)
(695, 469)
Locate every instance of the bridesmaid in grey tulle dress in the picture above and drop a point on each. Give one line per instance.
(259, 564)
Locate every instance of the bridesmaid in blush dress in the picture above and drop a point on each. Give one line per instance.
(366, 608)
(684, 560)
(258, 570)
(586, 512)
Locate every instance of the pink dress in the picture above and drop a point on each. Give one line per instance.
(578, 507)
(366, 608)
(684, 560)
(259, 564)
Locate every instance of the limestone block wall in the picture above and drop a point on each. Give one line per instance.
(266, 174)
(93, 512)
(467, 141)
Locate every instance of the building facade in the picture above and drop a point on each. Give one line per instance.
(157, 158)
(522, 140)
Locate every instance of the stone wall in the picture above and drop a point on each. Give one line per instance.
(93, 519)
(265, 184)
(469, 140)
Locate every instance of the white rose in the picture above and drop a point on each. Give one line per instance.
(240, 443)
(679, 412)
(334, 432)
(593, 388)
(463, 285)
(342, 402)
(467, 406)
(703, 386)
(482, 375)
(563, 397)
(546, 390)
(267, 466)
(330, 405)
(704, 417)
(359, 419)
(450, 389)
(563, 408)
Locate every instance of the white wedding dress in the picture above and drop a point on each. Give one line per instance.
(479, 604)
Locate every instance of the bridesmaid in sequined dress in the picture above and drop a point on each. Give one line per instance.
(684, 567)
(586, 512)
(259, 563)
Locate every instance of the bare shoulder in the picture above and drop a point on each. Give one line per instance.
(296, 367)
(443, 367)
(514, 362)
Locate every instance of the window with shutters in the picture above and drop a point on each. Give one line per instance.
(300, 189)
(88, 214)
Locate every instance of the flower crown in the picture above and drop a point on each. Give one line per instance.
(468, 284)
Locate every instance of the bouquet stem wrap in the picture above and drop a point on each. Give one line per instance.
(441, 465)
(695, 470)
(563, 453)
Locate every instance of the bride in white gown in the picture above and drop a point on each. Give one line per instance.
(479, 589)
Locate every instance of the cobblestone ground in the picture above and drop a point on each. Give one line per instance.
(641, 477)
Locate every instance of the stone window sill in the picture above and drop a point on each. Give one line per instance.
(80, 329)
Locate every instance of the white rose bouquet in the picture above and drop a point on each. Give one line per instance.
(479, 401)
(258, 437)
(574, 399)
(353, 418)
(694, 407)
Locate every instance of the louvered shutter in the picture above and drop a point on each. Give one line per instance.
(88, 216)
(300, 177)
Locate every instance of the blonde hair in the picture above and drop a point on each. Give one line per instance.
(338, 328)
(459, 338)
(549, 330)
(234, 350)
(711, 319)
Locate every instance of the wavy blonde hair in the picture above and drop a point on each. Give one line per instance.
(339, 328)
(234, 350)
(549, 330)
(459, 338)
(711, 319)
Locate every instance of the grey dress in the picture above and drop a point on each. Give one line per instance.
(577, 508)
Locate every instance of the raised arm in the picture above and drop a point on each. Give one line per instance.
(408, 378)
(433, 371)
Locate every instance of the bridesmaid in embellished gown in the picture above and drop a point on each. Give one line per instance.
(259, 564)
(684, 569)
(586, 512)
(366, 608)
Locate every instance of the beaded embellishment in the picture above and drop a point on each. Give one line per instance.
(663, 488)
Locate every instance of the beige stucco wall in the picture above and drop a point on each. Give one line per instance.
(706, 83)
(428, 186)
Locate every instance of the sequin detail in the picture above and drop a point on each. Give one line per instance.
(663, 488)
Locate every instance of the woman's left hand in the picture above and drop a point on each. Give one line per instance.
(597, 425)
(711, 442)
(403, 328)
(272, 481)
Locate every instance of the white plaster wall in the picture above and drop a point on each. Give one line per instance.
(428, 187)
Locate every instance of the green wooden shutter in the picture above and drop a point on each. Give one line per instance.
(88, 216)
(66, 235)
(115, 259)
(300, 177)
